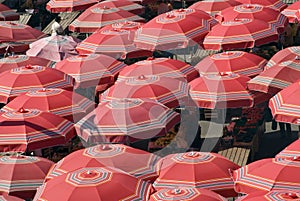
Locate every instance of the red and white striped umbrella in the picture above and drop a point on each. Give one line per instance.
(213, 7)
(240, 34)
(289, 53)
(275, 4)
(238, 62)
(285, 105)
(161, 67)
(268, 174)
(117, 43)
(91, 70)
(187, 194)
(100, 183)
(126, 121)
(7, 14)
(96, 17)
(33, 129)
(271, 196)
(292, 150)
(254, 11)
(58, 6)
(6, 197)
(175, 29)
(16, 61)
(276, 78)
(219, 91)
(63, 103)
(19, 80)
(127, 25)
(292, 12)
(22, 175)
(17, 32)
(122, 4)
(196, 170)
(13, 47)
(135, 162)
(168, 91)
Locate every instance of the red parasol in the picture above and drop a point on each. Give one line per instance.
(213, 7)
(275, 4)
(96, 17)
(198, 170)
(135, 162)
(168, 91)
(58, 6)
(7, 14)
(66, 104)
(173, 30)
(285, 105)
(219, 91)
(33, 129)
(17, 61)
(6, 197)
(268, 174)
(54, 48)
(254, 11)
(95, 183)
(22, 175)
(91, 70)
(117, 43)
(289, 53)
(276, 78)
(187, 194)
(126, 121)
(240, 34)
(161, 67)
(292, 12)
(13, 47)
(127, 25)
(122, 4)
(292, 150)
(17, 32)
(272, 196)
(19, 80)
(238, 62)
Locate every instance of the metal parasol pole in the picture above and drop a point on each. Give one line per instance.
(183, 4)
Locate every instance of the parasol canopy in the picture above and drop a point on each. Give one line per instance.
(268, 174)
(58, 6)
(29, 129)
(220, 91)
(94, 183)
(276, 78)
(285, 105)
(238, 62)
(91, 70)
(196, 170)
(19, 80)
(66, 104)
(94, 18)
(174, 30)
(126, 120)
(240, 34)
(135, 162)
(22, 175)
(161, 67)
(168, 91)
